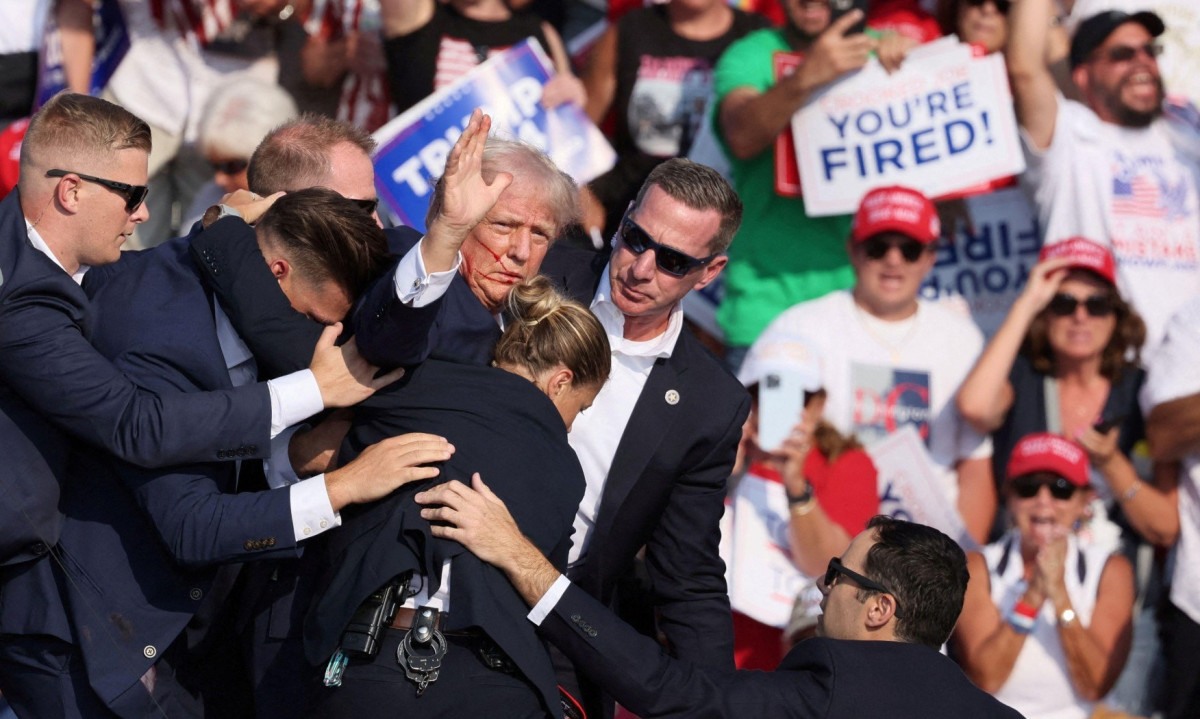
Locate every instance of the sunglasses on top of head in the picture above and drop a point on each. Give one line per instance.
(134, 195)
(1028, 486)
(668, 259)
(876, 248)
(1064, 305)
(836, 567)
(1002, 6)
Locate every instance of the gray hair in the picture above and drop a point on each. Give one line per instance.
(240, 114)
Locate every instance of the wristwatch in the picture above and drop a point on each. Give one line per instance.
(1066, 617)
(801, 504)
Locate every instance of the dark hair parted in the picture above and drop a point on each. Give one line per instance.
(75, 127)
(295, 155)
(327, 237)
(547, 329)
(701, 188)
(926, 571)
(1122, 352)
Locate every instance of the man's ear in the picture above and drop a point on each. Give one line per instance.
(881, 609)
(66, 193)
(711, 270)
(1082, 79)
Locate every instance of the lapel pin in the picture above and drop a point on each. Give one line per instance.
(672, 397)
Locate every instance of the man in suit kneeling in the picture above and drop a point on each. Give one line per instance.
(891, 600)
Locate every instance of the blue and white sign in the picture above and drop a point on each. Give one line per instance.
(941, 124)
(988, 266)
(508, 86)
(112, 42)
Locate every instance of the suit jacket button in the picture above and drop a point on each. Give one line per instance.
(270, 541)
(591, 632)
(575, 618)
(195, 594)
(220, 454)
(150, 651)
(248, 544)
(253, 449)
(38, 548)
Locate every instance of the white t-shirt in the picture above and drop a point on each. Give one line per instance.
(880, 376)
(1134, 189)
(1175, 373)
(21, 30)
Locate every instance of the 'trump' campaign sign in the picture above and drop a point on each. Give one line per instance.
(508, 86)
(942, 123)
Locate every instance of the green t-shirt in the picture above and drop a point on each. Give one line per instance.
(780, 256)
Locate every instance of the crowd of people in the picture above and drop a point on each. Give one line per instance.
(293, 459)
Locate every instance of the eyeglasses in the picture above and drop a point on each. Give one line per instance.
(230, 167)
(836, 567)
(876, 248)
(368, 206)
(1002, 6)
(1028, 486)
(668, 259)
(1125, 53)
(1064, 305)
(134, 195)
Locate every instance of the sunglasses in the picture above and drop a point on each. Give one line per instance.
(1125, 53)
(134, 195)
(1064, 305)
(230, 167)
(368, 206)
(876, 248)
(668, 259)
(1002, 6)
(836, 567)
(1028, 486)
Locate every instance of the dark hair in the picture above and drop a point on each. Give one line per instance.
(72, 126)
(926, 571)
(548, 329)
(295, 155)
(1122, 352)
(327, 237)
(701, 188)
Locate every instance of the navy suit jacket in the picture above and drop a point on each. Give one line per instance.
(54, 385)
(830, 678)
(142, 545)
(504, 428)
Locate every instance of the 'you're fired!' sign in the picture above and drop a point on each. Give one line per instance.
(943, 124)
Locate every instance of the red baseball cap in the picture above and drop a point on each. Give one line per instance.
(10, 154)
(1045, 452)
(1084, 255)
(896, 209)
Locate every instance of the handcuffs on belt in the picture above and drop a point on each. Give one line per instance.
(421, 651)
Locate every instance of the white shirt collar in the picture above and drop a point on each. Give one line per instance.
(613, 321)
(40, 245)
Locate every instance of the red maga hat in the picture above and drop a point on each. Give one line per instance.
(1084, 255)
(896, 209)
(1045, 452)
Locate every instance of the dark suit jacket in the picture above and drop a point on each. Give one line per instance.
(143, 544)
(52, 380)
(830, 678)
(504, 428)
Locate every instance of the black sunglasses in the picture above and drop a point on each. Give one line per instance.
(1002, 6)
(668, 259)
(1125, 53)
(368, 206)
(230, 167)
(836, 567)
(1028, 486)
(1064, 305)
(876, 248)
(134, 195)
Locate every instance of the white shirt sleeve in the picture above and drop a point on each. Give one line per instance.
(549, 600)
(294, 398)
(311, 511)
(1172, 372)
(278, 467)
(416, 287)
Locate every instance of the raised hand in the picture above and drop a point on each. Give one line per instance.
(835, 53)
(1044, 280)
(343, 376)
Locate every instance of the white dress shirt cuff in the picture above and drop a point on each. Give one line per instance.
(417, 288)
(294, 398)
(278, 467)
(311, 511)
(549, 600)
